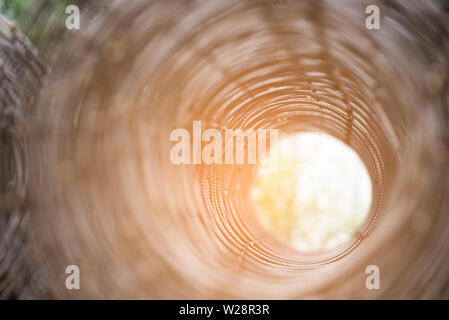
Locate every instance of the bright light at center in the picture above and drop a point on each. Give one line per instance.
(319, 196)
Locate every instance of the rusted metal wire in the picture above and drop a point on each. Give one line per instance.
(20, 74)
(106, 197)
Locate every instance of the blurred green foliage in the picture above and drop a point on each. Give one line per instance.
(19, 10)
(14, 9)
(43, 21)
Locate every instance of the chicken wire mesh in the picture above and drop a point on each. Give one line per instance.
(20, 74)
(105, 196)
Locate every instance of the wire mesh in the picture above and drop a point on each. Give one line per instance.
(106, 197)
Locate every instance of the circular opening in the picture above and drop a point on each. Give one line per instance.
(319, 196)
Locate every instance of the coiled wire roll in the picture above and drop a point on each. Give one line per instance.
(106, 197)
(20, 74)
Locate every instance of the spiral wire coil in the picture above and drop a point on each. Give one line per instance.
(105, 195)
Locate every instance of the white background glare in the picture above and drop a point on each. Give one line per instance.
(319, 196)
